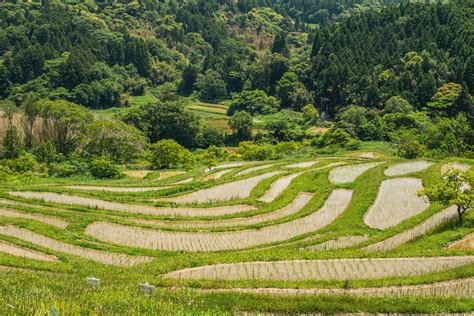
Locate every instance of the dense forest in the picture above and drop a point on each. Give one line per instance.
(392, 71)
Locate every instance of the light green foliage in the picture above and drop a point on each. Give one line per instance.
(104, 168)
(410, 148)
(252, 151)
(456, 188)
(445, 97)
(334, 137)
(310, 114)
(114, 139)
(168, 154)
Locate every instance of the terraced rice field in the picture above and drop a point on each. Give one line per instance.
(407, 167)
(396, 201)
(346, 227)
(224, 192)
(348, 174)
(335, 205)
(337, 269)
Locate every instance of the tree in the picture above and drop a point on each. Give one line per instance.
(117, 141)
(398, 104)
(64, 124)
(456, 189)
(253, 102)
(168, 154)
(11, 140)
(242, 122)
(446, 97)
(310, 114)
(165, 120)
(104, 168)
(32, 110)
(280, 45)
(211, 86)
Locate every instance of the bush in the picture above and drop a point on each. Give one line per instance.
(68, 169)
(334, 137)
(24, 163)
(168, 154)
(410, 149)
(252, 151)
(104, 168)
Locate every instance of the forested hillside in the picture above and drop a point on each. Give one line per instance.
(281, 71)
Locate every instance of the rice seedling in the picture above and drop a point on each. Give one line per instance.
(348, 174)
(133, 208)
(407, 167)
(49, 220)
(137, 173)
(223, 192)
(116, 189)
(419, 230)
(253, 169)
(301, 165)
(338, 243)
(335, 205)
(455, 288)
(333, 269)
(278, 187)
(17, 251)
(297, 205)
(455, 165)
(109, 258)
(396, 201)
(229, 165)
(467, 243)
(216, 175)
(185, 181)
(281, 184)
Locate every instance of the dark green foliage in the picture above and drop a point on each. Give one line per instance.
(241, 122)
(165, 120)
(253, 102)
(347, 57)
(11, 143)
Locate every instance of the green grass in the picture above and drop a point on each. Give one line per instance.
(62, 284)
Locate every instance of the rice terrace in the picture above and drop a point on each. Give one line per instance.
(326, 226)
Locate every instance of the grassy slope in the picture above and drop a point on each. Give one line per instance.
(119, 293)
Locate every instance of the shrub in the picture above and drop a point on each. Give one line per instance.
(410, 149)
(25, 163)
(68, 169)
(168, 154)
(334, 137)
(104, 168)
(252, 151)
